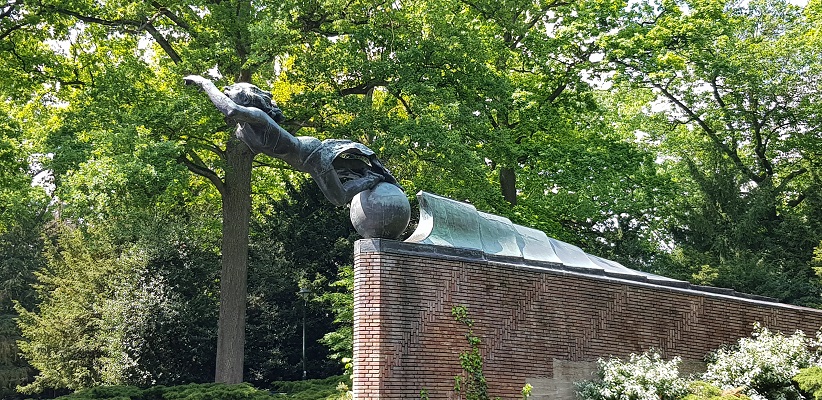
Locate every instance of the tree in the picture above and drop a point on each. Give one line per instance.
(128, 313)
(489, 103)
(298, 240)
(737, 83)
(69, 346)
(23, 214)
(96, 38)
(471, 91)
(474, 100)
(127, 295)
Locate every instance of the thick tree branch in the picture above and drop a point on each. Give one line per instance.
(216, 150)
(405, 104)
(715, 89)
(164, 44)
(797, 201)
(538, 16)
(293, 126)
(419, 156)
(8, 8)
(137, 25)
(760, 148)
(722, 105)
(207, 146)
(730, 152)
(74, 82)
(493, 121)
(10, 30)
(556, 92)
(95, 20)
(174, 18)
(363, 88)
(760, 145)
(198, 167)
(788, 178)
(476, 7)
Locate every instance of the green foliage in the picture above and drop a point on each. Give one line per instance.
(731, 81)
(817, 260)
(172, 311)
(340, 342)
(139, 312)
(700, 390)
(23, 218)
(809, 381)
(13, 370)
(107, 392)
(214, 391)
(296, 237)
(701, 162)
(472, 385)
(74, 337)
(310, 389)
(642, 377)
(211, 391)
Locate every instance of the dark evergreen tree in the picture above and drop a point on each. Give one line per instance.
(300, 239)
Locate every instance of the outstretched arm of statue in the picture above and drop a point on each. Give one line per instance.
(227, 106)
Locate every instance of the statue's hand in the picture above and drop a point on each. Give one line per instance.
(373, 178)
(195, 80)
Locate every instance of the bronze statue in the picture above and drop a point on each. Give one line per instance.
(341, 168)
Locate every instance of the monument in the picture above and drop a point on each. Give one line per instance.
(545, 309)
(344, 170)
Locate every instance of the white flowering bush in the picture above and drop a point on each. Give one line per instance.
(642, 377)
(762, 365)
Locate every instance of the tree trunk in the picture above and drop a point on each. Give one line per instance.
(234, 274)
(508, 185)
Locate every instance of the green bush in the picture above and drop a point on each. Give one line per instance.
(765, 366)
(215, 391)
(809, 381)
(209, 391)
(312, 389)
(701, 390)
(108, 392)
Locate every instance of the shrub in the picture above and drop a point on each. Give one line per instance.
(311, 389)
(762, 365)
(701, 390)
(107, 392)
(209, 391)
(809, 381)
(643, 377)
(214, 391)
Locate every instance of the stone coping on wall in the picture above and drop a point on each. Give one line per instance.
(478, 256)
(451, 223)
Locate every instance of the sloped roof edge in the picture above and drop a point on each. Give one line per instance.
(449, 223)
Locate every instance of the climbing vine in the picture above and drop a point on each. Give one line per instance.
(472, 383)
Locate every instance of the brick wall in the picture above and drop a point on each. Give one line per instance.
(539, 323)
